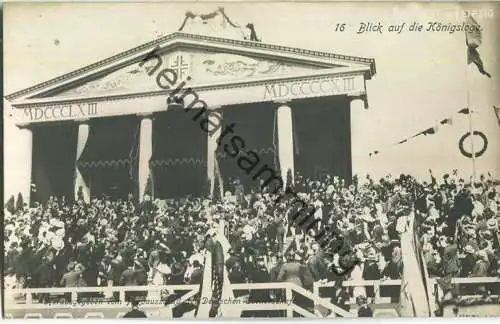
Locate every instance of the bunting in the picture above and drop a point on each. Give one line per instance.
(497, 113)
(428, 131)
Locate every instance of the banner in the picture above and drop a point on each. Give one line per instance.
(413, 294)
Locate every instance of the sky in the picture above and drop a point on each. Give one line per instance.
(422, 77)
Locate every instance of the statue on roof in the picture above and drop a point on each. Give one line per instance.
(253, 34)
(216, 23)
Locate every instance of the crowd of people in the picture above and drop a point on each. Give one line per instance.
(104, 242)
(457, 222)
(123, 242)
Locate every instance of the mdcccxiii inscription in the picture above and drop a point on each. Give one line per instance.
(62, 111)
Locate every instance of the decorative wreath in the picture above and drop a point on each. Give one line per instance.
(478, 153)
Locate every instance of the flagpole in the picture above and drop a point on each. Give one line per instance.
(473, 152)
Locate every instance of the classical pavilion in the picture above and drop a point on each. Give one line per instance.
(107, 128)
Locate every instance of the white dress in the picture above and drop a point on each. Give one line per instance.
(357, 275)
(161, 271)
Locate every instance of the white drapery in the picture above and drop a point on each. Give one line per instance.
(83, 136)
(358, 153)
(285, 141)
(215, 118)
(145, 153)
(25, 151)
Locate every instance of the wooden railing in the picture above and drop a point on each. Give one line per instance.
(14, 297)
(288, 305)
(376, 284)
(470, 282)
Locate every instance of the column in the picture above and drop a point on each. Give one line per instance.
(145, 152)
(25, 149)
(80, 182)
(359, 152)
(213, 172)
(285, 140)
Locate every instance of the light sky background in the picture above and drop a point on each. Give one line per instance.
(420, 80)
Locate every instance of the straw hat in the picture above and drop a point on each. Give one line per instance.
(468, 249)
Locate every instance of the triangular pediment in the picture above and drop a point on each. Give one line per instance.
(205, 60)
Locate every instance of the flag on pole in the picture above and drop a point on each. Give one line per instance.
(497, 113)
(473, 38)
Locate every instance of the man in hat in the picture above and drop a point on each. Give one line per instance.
(135, 312)
(316, 263)
(72, 278)
(364, 310)
(233, 258)
(468, 261)
(197, 273)
(371, 269)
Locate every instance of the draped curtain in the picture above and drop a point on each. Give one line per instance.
(53, 167)
(80, 182)
(179, 159)
(322, 137)
(256, 125)
(110, 159)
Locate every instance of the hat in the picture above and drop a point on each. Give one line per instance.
(57, 243)
(371, 254)
(163, 269)
(491, 224)
(468, 249)
(361, 299)
(60, 232)
(483, 255)
(56, 223)
(71, 266)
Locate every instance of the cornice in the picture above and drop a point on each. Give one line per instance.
(180, 36)
(33, 103)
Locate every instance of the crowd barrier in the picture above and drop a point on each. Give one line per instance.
(297, 300)
(26, 299)
(375, 284)
(77, 302)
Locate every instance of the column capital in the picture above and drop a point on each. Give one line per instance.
(145, 115)
(82, 120)
(284, 102)
(362, 97)
(26, 126)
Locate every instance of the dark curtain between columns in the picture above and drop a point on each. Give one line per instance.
(256, 124)
(53, 164)
(179, 160)
(109, 160)
(322, 137)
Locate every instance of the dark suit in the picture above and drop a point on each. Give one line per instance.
(317, 266)
(196, 276)
(365, 311)
(72, 279)
(130, 278)
(135, 313)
